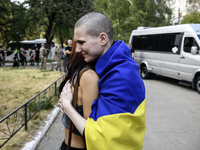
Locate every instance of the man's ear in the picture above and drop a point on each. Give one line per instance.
(104, 38)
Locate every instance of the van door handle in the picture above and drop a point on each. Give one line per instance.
(182, 57)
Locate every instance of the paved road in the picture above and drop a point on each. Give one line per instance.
(172, 117)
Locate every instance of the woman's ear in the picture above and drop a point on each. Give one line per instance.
(103, 38)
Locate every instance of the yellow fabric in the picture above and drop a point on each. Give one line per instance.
(124, 131)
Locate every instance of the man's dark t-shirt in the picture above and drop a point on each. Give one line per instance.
(68, 48)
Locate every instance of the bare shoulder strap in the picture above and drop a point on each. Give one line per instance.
(74, 102)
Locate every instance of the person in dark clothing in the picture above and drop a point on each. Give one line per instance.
(21, 56)
(31, 56)
(25, 54)
(2, 57)
(67, 54)
(37, 56)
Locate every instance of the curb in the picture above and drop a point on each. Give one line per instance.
(33, 144)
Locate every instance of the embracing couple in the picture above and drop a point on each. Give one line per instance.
(103, 96)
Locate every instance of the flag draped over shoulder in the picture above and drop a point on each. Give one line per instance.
(117, 120)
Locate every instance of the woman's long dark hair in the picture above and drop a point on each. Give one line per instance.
(75, 64)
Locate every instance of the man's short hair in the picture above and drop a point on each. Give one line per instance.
(96, 23)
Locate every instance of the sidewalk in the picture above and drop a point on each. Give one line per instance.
(50, 136)
(54, 136)
(49, 66)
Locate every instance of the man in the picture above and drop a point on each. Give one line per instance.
(23, 53)
(2, 55)
(117, 119)
(67, 54)
(57, 57)
(16, 54)
(31, 57)
(37, 56)
(21, 56)
(132, 51)
(43, 56)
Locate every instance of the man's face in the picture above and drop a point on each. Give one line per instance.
(90, 47)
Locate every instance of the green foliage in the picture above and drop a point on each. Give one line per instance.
(56, 17)
(33, 17)
(12, 22)
(193, 17)
(129, 14)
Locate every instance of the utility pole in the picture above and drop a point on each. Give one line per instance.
(179, 20)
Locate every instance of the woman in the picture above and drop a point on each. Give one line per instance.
(87, 92)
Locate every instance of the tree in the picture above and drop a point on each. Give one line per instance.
(4, 17)
(193, 17)
(194, 5)
(56, 17)
(11, 22)
(127, 15)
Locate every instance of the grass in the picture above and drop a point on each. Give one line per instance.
(17, 86)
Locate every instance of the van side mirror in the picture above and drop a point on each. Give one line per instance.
(194, 50)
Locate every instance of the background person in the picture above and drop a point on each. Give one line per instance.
(117, 120)
(16, 54)
(23, 53)
(87, 92)
(43, 56)
(3, 57)
(57, 57)
(67, 54)
(37, 56)
(21, 56)
(132, 51)
(31, 56)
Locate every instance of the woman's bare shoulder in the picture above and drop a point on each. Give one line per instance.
(88, 76)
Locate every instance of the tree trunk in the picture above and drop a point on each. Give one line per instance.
(50, 32)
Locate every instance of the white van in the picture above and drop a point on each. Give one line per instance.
(171, 51)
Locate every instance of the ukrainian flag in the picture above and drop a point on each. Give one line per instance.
(117, 120)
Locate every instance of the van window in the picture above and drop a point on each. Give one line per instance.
(167, 42)
(188, 43)
(157, 42)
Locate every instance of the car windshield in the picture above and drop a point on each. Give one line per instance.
(198, 36)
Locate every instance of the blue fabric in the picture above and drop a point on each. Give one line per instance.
(121, 87)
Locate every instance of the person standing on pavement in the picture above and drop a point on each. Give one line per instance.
(57, 57)
(3, 57)
(37, 56)
(43, 56)
(67, 54)
(132, 50)
(23, 53)
(16, 54)
(80, 74)
(21, 56)
(31, 56)
(117, 120)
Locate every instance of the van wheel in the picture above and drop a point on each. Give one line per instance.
(198, 85)
(144, 73)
